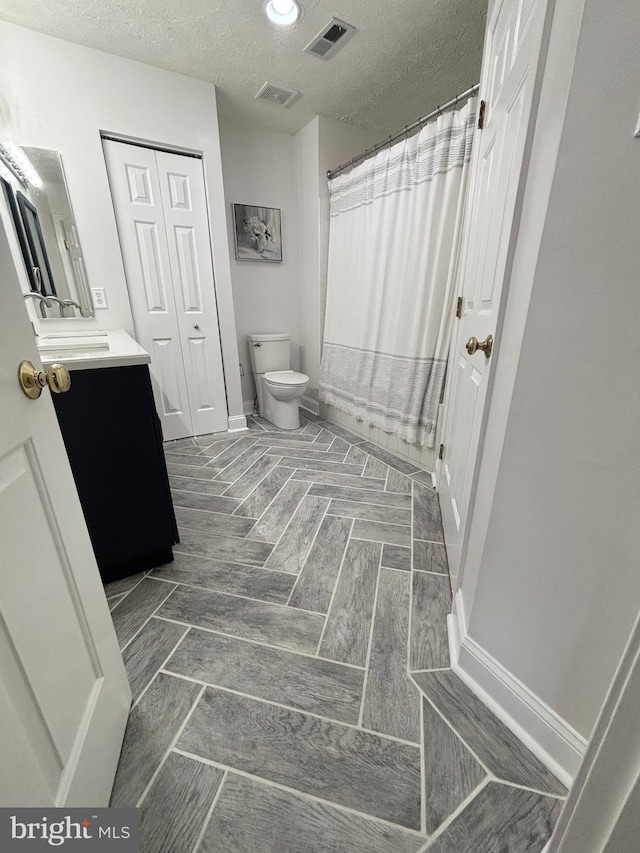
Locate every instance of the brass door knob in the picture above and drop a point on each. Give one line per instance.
(473, 345)
(32, 380)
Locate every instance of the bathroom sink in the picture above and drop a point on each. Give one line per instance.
(73, 342)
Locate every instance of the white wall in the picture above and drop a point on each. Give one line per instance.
(557, 590)
(54, 94)
(259, 169)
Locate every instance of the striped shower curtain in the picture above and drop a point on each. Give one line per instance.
(395, 227)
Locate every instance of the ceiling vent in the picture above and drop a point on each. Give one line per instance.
(273, 93)
(330, 39)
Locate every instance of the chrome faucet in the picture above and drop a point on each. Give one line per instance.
(60, 303)
(44, 300)
(69, 302)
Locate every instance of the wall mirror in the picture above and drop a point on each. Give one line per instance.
(36, 190)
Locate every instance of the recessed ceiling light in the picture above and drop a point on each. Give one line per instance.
(282, 12)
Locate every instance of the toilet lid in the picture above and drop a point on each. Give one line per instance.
(286, 377)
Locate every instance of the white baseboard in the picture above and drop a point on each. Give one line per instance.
(237, 423)
(248, 407)
(559, 746)
(310, 404)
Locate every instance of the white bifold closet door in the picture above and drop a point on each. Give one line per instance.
(161, 211)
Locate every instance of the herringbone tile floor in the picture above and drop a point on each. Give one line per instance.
(290, 668)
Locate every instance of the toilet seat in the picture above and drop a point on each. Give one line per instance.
(286, 378)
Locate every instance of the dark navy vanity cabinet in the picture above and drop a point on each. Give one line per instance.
(114, 442)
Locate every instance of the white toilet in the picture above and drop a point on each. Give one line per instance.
(279, 388)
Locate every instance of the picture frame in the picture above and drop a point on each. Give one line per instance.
(257, 232)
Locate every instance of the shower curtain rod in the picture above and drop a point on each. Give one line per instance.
(408, 129)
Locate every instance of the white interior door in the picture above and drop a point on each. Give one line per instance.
(510, 62)
(186, 220)
(64, 695)
(161, 211)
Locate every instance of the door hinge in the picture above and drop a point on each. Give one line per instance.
(459, 307)
(441, 451)
(481, 111)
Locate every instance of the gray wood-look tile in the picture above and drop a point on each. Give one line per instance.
(430, 557)
(324, 437)
(241, 465)
(213, 522)
(213, 438)
(317, 579)
(392, 701)
(243, 617)
(296, 440)
(370, 512)
(215, 448)
(349, 621)
(291, 452)
(187, 461)
(122, 585)
(451, 771)
(179, 442)
(375, 468)
(245, 484)
(177, 804)
(305, 683)
(203, 474)
(116, 600)
(396, 557)
(253, 817)
(233, 578)
(152, 726)
(319, 465)
(341, 432)
(429, 645)
(500, 818)
(423, 477)
(356, 455)
(347, 493)
(397, 482)
(294, 544)
(310, 417)
(311, 429)
(494, 744)
(134, 611)
(222, 547)
(426, 514)
(402, 465)
(184, 450)
(202, 487)
(209, 503)
(329, 760)
(148, 650)
(394, 534)
(339, 445)
(254, 426)
(277, 516)
(258, 501)
(346, 480)
(222, 454)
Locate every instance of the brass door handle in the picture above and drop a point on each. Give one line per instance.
(32, 380)
(473, 345)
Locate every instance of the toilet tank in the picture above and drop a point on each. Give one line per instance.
(270, 352)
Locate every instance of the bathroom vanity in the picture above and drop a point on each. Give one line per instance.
(113, 439)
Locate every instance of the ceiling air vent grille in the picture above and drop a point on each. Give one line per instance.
(273, 93)
(330, 39)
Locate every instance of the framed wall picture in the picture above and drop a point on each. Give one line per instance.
(258, 233)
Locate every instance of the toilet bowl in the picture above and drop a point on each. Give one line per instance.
(278, 387)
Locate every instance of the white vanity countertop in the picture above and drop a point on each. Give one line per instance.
(89, 350)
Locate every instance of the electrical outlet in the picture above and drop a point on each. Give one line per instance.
(99, 297)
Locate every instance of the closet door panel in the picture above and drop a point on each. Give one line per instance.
(137, 200)
(189, 250)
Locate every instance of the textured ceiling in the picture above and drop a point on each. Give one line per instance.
(407, 57)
